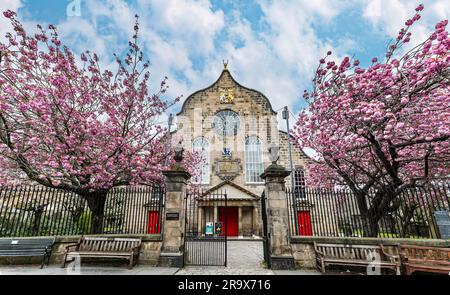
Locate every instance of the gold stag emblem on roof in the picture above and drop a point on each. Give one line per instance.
(226, 95)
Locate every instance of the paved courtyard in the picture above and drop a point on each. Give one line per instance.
(244, 258)
(86, 270)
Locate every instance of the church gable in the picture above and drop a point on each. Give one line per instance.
(225, 93)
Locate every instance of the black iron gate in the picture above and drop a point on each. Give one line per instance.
(265, 230)
(205, 240)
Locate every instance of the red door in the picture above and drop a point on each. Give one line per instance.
(153, 223)
(231, 227)
(304, 223)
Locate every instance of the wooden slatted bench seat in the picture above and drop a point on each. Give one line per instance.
(355, 255)
(427, 259)
(104, 247)
(27, 247)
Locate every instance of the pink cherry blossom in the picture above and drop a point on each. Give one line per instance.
(70, 125)
(384, 128)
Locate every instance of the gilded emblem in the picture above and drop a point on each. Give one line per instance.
(226, 95)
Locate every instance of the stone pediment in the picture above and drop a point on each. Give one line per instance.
(233, 191)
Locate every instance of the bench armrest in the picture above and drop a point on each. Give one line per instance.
(317, 250)
(392, 257)
(71, 246)
(136, 249)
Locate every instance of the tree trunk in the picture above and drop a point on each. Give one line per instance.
(405, 221)
(37, 220)
(96, 202)
(369, 223)
(380, 206)
(373, 225)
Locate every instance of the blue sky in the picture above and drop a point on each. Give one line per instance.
(271, 46)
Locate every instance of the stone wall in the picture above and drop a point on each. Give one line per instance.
(305, 257)
(149, 255)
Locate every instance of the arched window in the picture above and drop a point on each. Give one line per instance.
(201, 145)
(254, 166)
(299, 183)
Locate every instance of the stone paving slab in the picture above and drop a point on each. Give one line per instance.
(233, 271)
(86, 270)
(147, 270)
(217, 270)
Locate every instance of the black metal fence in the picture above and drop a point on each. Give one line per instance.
(41, 211)
(338, 213)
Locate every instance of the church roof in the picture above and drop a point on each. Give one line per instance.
(225, 72)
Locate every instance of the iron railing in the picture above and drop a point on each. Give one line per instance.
(338, 213)
(41, 211)
(206, 228)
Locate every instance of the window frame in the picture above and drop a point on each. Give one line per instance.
(208, 160)
(253, 163)
(302, 183)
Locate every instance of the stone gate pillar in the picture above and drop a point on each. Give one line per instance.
(174, 219)
(277, 215)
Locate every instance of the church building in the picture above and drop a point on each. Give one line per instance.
(232, 126)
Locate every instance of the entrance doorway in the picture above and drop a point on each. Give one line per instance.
(229, 218)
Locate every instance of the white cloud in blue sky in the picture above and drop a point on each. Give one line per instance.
(272, 46)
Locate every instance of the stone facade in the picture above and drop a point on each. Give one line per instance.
(257, 119)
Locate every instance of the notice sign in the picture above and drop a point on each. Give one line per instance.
(172, 216)
(209, 228)
(218, 228)
(443, 223)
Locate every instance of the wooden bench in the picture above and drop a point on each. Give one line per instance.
(355, 255)
(427, 259)
(27, 247)
(104, 247)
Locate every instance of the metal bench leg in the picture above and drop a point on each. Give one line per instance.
(130, 265)
(63, 264)
(43, 261)
(322, 265)
(49, 255)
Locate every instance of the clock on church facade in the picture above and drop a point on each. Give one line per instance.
(232, 126)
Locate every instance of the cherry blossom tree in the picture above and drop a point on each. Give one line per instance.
(382, 128)
(66, 124)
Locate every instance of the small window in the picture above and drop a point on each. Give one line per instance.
(201, 145)
(254, 166)
(299, 184)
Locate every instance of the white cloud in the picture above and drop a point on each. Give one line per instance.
(13, 5)
(279, 60)
(190, 22)
(389, 16)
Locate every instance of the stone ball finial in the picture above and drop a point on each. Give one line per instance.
(178, 150)
(273, 153)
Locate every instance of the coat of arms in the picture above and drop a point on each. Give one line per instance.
(226, 95)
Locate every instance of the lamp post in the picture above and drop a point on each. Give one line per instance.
(286, 117)
(166, 160)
